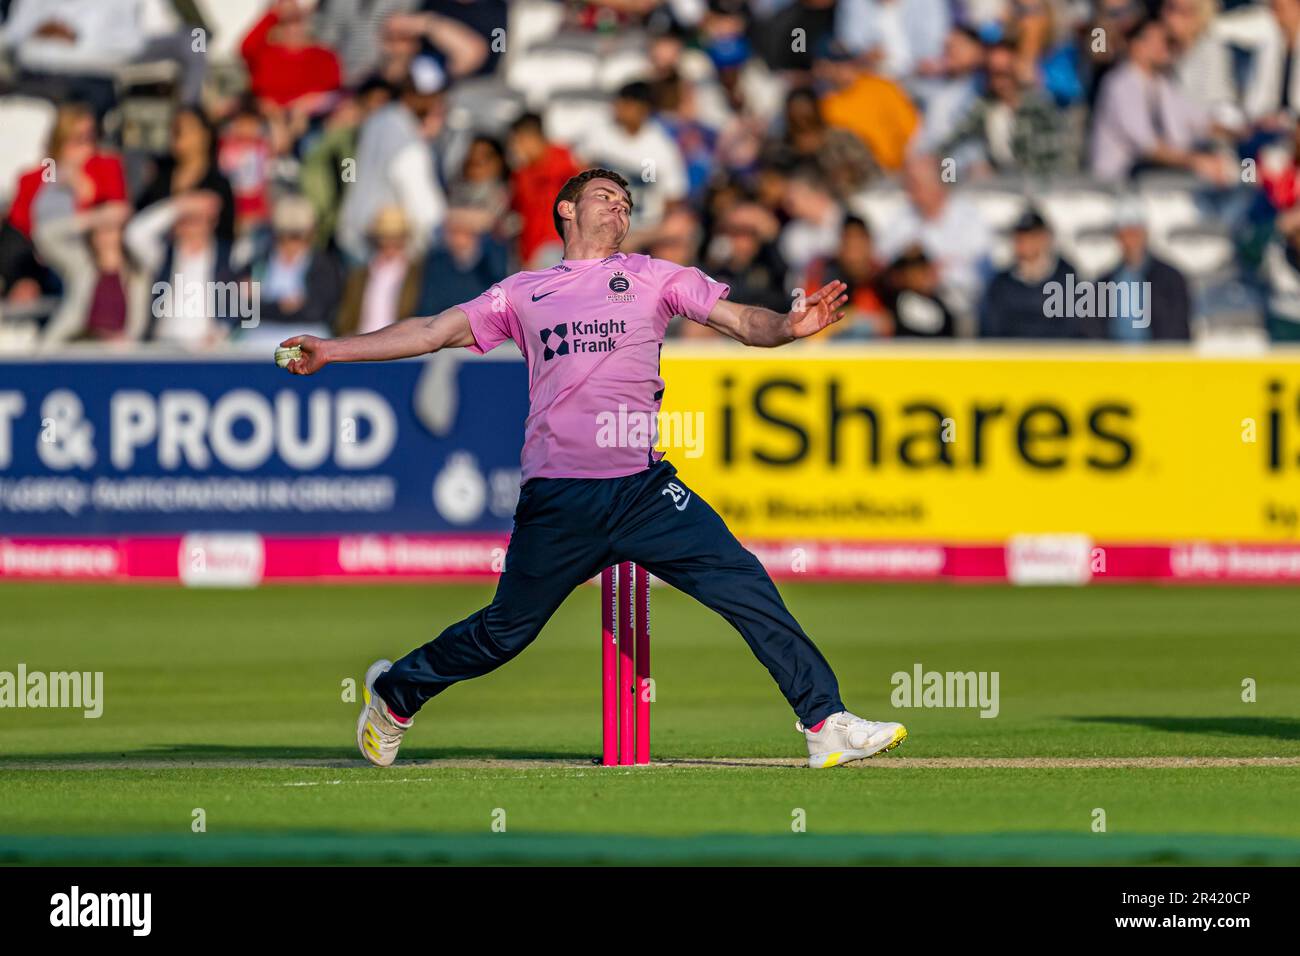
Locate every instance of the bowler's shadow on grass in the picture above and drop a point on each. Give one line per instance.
(1277, 728)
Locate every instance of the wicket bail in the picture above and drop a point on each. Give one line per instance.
(625, 665)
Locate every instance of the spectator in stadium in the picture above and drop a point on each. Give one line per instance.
(728, 193)
(674, 104)
(467, 259)
(772, 36)
(299, 286)
(330, 161)
(671, 56)
(244, 155)
(1161, 314)
(902, 38)
(911, 291)
(1045, 45)
(83, 175)
(1111, 20)
(1202, 61)
(286, 69)
(23, 279)
(1015, 126)
(854, 264)
(71, 49)
(1143, 120)
(191, 163)
(455, 46)
(487, 21)
(678, 237)
(1282, 273)
(816, 218)
(948, 228)
(632, 143)
(750, 93)
(1016, 303)
(770, 183)
(540, 169)
(353, 29)
(946, 98)
(387, 287)
(743, 253)
(176, 245)
(74, 160)
(608, 15)
(1272, 93)
(871, 106)
(105, 299)
(484, 181)
(395, 165)
(842, 158)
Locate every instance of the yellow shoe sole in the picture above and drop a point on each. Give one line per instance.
(837, 757)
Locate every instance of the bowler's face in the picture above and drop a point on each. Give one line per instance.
(604, 210)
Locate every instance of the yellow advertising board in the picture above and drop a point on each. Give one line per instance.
(971, 443)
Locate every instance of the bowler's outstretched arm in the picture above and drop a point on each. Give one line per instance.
(754, 325)
(415, 336)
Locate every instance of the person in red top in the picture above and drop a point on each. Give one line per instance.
(541, 170)
(92, 176)
(284, 65)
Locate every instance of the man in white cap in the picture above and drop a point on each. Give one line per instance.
(395, 163)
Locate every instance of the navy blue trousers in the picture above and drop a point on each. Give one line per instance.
(566, 531)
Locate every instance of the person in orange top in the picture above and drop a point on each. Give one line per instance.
(874, 108)
(284, 65)
(866, 315)
(541, 169)
(92, 176)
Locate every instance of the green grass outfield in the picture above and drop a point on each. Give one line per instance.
(230, 701)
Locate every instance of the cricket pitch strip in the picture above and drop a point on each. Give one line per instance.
(783, 763)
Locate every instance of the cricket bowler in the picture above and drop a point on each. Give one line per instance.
(591, 329)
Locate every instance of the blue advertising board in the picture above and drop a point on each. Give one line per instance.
(102, 447)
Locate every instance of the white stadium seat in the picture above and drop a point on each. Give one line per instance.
(1094, 252)
(483, 104)
(542, 73)
(1075, 209)
(1167, 208)
(568, 117)
(229, 21)
(999, 205)
(622, 66)
(1200, 252)
(878, 207)
(26, 122)
(532, 22)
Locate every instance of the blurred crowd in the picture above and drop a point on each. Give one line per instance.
(353, 162)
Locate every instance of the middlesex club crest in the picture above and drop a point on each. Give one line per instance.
(620, 288)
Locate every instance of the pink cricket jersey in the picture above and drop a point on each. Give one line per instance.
(591, 331)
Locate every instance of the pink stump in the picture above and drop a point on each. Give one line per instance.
(642, 665)
(608, 672)
(626, 670)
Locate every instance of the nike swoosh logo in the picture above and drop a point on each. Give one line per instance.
(685, 501)
(538, 298)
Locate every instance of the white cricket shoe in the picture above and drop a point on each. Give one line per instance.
(378, 732)
(844, 737)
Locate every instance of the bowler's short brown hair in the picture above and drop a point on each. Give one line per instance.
(573, 190)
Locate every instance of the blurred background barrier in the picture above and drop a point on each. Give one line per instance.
(1035, 464)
